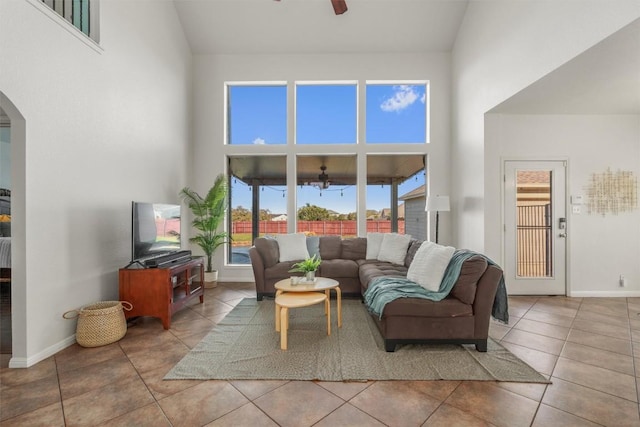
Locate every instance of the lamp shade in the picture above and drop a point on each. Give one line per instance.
(437, 203)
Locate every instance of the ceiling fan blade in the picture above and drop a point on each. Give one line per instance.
(339, 6)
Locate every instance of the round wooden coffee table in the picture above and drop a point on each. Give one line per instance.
(321, 284)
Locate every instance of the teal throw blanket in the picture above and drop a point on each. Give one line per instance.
(385, 289)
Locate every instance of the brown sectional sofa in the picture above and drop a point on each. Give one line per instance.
(462, 317)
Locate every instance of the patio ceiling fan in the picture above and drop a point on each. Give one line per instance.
(323, 180)
(339, 6)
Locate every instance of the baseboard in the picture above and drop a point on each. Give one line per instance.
(26, 362)
(605, 294)
(236, 275)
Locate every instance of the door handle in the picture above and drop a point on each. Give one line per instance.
(562, 235)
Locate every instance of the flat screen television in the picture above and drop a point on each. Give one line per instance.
(155, 230)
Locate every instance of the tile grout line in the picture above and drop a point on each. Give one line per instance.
(581, 385)
(539, 402)
(155, 400)
(633, 359)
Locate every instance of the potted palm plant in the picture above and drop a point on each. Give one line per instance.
(308, 267)
(208, 215)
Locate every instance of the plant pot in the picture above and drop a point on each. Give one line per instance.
(210, 279)
(310, 276)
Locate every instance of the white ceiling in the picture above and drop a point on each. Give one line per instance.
(310, 26)
(605, 79)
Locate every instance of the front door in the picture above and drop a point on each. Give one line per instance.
(535, 229)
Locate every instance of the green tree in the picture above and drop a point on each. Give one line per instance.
(372, 213)
(313, 213)
(240, 214)
(265, 214)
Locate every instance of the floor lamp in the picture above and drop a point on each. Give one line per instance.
(437, 204)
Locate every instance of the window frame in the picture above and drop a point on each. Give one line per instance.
(360, 150)
(229, 84)
(427, 102)
(297, 83)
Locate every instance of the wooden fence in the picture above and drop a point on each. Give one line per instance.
(320, 228)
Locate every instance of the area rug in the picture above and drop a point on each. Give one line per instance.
(245, 345)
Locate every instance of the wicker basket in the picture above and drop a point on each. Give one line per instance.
(100, 323)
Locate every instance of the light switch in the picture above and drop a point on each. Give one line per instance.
(577, 200)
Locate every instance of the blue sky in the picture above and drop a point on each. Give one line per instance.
(326, 114)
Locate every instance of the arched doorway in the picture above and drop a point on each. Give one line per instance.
(12, 117)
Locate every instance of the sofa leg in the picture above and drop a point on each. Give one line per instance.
(481, 346)
(259, 297)
(389, 346)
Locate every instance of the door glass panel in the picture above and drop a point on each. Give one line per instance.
(534, 228)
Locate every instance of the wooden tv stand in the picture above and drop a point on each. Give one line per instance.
(160, 292)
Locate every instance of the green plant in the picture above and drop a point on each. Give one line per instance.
(208, 215)
(309, 264)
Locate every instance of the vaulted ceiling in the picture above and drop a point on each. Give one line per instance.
(311, 26)
(603, 80)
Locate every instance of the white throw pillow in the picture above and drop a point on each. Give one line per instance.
(374, 241)
(293, 247)
(394, 248)
(429, 264)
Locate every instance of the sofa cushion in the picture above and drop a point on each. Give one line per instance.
(369, 270)
(337, 268)
(268, 250)
(374, 241)
(292, 246)
(330, 247)
(411, 251)
(355, 248)
(429, 264)
(416, 307)
(313, 246)
(470, 272)
(394, 248)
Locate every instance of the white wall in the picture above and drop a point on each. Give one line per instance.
(104, 126)
(502, 47)
(600, 248)
(210, 73)
(5, 157)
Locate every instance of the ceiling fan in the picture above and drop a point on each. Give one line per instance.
(323, 180)
(339, 6)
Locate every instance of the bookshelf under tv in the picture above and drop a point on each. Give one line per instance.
(162, 291)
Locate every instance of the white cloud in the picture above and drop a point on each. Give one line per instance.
(259, 141)
(403, 97)
(423, 98)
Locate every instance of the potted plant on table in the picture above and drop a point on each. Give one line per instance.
(208, 215)
(309, 267)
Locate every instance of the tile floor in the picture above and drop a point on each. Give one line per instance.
(590, 347)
